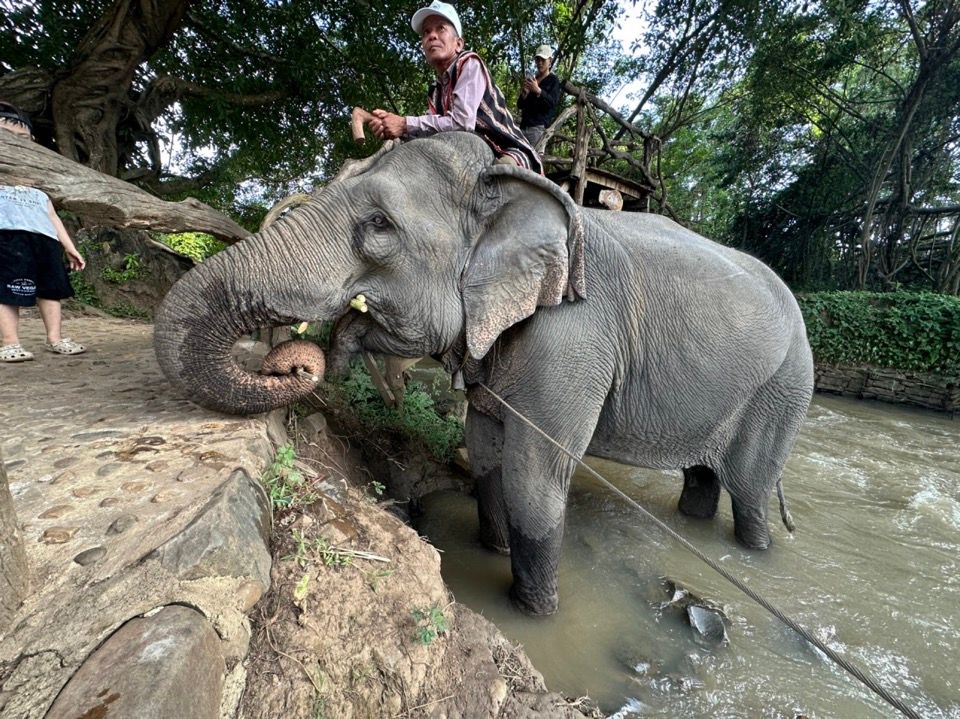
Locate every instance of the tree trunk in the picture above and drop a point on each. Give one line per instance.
(89, 102)
(14, 576)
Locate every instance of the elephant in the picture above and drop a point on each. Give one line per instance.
(619, 334)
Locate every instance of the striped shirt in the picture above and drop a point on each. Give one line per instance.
(465, 97)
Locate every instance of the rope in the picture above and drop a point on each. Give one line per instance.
(864, 678)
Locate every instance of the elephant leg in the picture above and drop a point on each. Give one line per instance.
(484, 439)
(701, 492)
(754, 461)
(750, 521)
(536, 477)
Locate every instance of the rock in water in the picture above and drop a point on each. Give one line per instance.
(707, 622)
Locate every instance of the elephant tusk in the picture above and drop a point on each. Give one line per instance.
(359, 303)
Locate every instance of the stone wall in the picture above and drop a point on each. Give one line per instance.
(889, 385)
(159, 268)
(14, 574)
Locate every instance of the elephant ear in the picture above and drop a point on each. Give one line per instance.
(529, 253)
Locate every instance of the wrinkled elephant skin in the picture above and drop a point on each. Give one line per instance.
(620, 334)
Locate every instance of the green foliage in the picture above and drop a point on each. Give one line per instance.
(900, 330)
(198, 246)
(83, 291)
(285, 483)
(308, 550)
(123, 309)
(416, 420)
(316, 332)
(132, 269)
(430, 623)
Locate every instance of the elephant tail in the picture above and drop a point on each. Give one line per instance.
(784, 512)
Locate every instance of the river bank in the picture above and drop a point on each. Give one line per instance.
(158, 582)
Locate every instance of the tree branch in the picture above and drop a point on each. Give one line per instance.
(100, 199)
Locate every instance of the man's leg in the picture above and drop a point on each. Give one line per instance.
(533, 134)
(50, 313)
(9, 324)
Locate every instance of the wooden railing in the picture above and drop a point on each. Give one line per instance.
(591, 155)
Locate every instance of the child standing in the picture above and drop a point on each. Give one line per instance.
(32, 243)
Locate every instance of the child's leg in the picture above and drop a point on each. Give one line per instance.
(50, 313)
(9, 324)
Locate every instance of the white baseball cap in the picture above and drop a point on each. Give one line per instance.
(544, 51)
(443, 9)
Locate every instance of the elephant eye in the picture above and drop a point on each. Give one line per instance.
(379, 221)
(371, 239)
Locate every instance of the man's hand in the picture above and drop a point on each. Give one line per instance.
(531, 85)
(75, 259)
(387, 126)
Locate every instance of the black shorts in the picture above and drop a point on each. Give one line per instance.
(31, 266)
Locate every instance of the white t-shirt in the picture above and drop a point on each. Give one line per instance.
(25, 208)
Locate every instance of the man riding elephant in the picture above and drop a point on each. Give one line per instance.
(463, 97)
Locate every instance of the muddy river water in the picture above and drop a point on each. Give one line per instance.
(873, 570)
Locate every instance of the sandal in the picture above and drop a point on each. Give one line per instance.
(14, 353)
(65, 346)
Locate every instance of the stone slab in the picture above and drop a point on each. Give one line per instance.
(129, 497)
(168, 664)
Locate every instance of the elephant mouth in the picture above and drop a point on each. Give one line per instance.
(345, 337)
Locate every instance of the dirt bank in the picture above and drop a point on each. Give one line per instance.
(358, 622)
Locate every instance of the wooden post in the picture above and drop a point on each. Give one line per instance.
(580, 151)
(14, 576)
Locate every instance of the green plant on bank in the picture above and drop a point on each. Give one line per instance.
(84, 293)
(331, 556)
(306, 550)
(132, 269)
(899, 330)
(198, 246)
(377, 488)
(285, 483)
(417, 420)
(430, 622)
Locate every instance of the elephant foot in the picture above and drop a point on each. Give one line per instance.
(701, 493)
(534, 604)
(753, 539)
(750, 528)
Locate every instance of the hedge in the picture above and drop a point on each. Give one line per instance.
(898, 330)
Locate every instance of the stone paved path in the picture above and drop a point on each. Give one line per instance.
(130, 498)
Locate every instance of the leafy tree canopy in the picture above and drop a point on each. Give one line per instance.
(821, 135)
(242, 91)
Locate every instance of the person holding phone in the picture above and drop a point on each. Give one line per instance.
(539, 97)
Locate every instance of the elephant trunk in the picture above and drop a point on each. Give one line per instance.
(227, 297)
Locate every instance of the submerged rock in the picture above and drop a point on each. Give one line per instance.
(705, 617)
(708, 623)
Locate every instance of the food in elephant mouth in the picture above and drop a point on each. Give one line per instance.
(287, 358)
